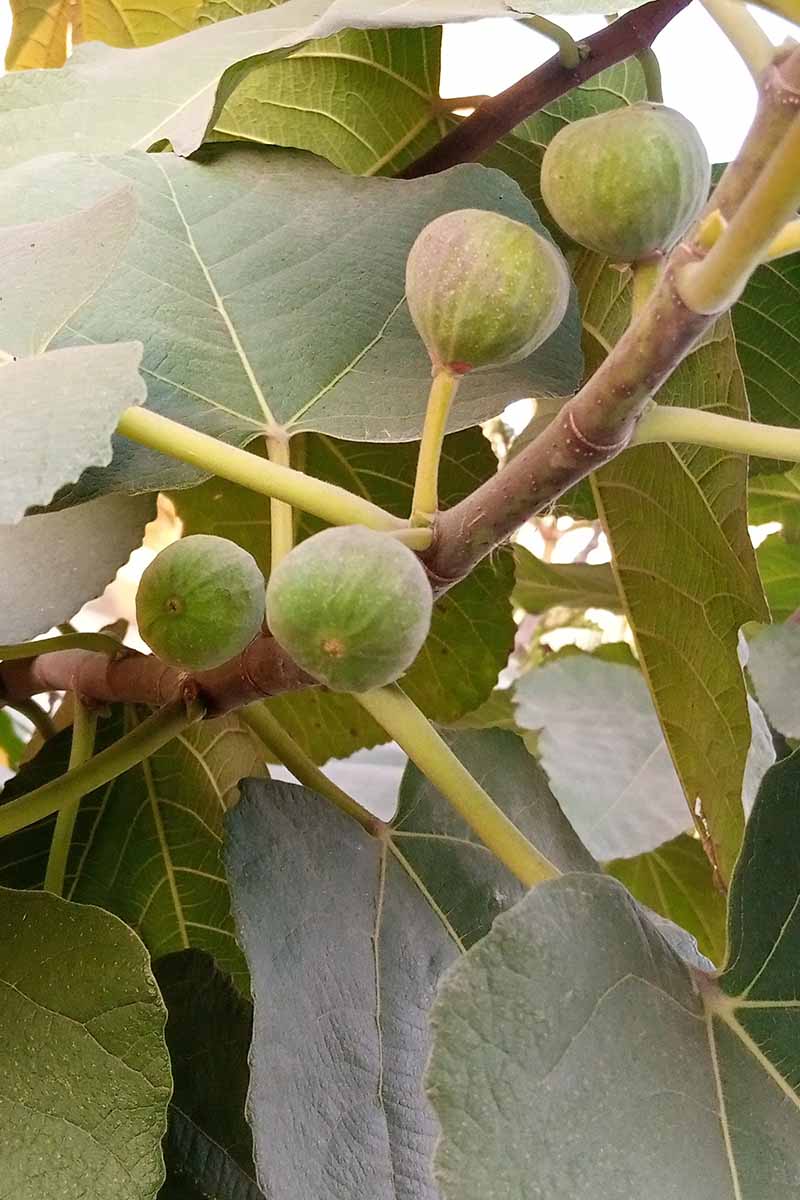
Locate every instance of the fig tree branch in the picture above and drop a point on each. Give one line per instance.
(498, 115)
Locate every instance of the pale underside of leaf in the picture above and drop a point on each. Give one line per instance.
(107, 100)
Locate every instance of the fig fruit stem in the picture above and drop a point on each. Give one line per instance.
(425, 502)
(413, 732)
(324, 500)
(651, 70)
(153, 733)
(663, 423)
(277, 741)
(281, 514)
(743, 32)
(84, 728)
(570, 52)
(103, 643)
(716, 282)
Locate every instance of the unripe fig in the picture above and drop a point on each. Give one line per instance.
(351, 606)
(626, 183)
(484, 290)
(200, 602)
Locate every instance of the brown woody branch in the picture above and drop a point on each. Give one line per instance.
(263, 669)
(498, 115)
(591, 429)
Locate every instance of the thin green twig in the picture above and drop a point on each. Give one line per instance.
(83, 734)
(146, 739)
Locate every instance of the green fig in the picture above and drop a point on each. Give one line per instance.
(200, 602)
(484, 290)
(626, 183)
(351, 606)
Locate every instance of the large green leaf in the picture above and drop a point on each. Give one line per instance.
(344, 954)
(147, 846)
(208, 1145)
(676, 520)
(540, 585)
(367, 101)
(642, 1075)
(396, 910)
(86, 1076)
(127, 23)
(52, 267)
(291, 313)
(472, 632)
(766, 321)
(106, 100)
(676, 881)
(54, 562)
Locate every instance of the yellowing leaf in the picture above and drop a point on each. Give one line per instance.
(38, 34)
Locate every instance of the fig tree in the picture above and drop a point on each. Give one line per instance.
(626, 183)
(352, 607)
(200, 602)
(484, 290)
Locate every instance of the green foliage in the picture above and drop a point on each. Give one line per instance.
(542, 585)
(368, 101)
(241, 990)
(291, 324)
(209, 1028)
(39, 559)
(643, 1073)
(676, 881)
(695, 499)
(87, 1077)
(147, 847)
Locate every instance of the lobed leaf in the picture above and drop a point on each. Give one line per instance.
(397, 909)
(642, 1074)
(107, 100)
(291, 314)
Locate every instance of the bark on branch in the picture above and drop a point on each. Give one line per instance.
(498, 115)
